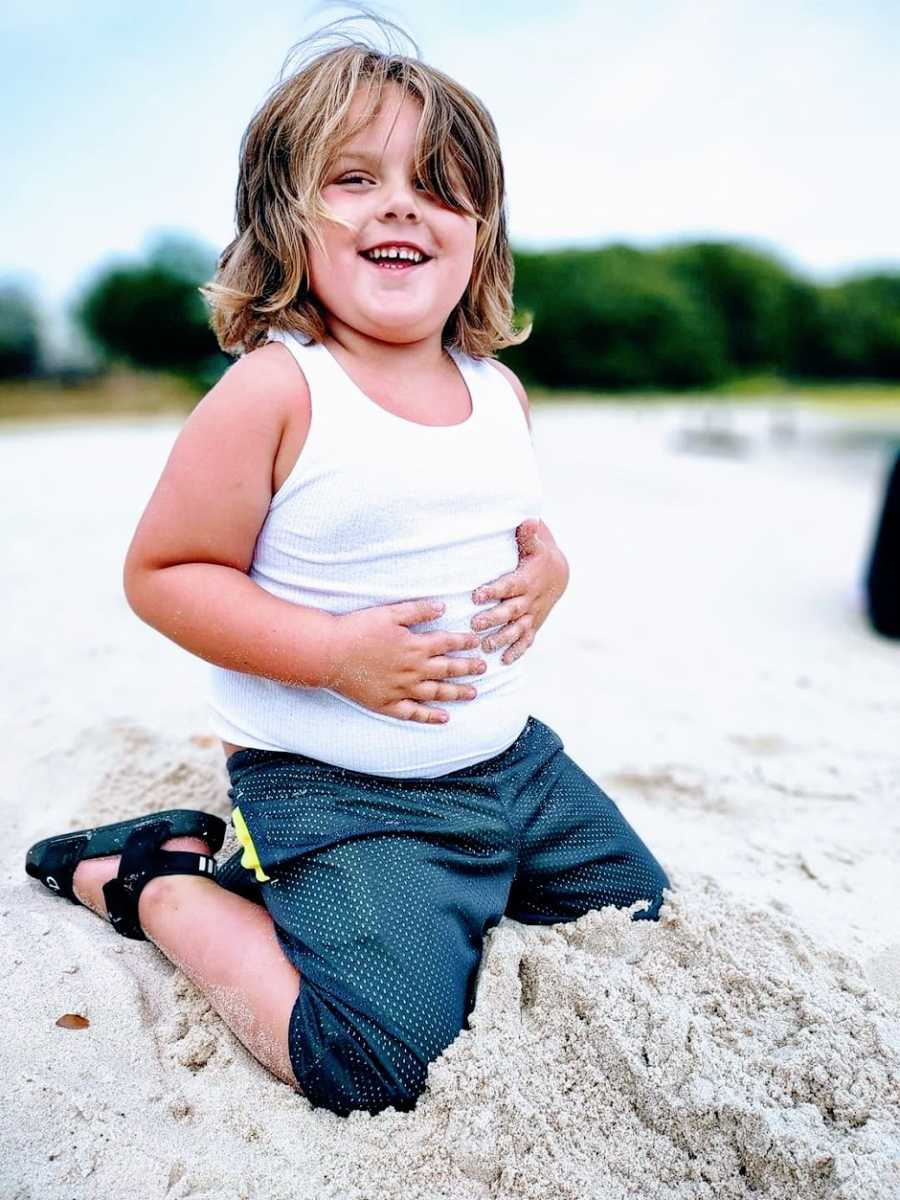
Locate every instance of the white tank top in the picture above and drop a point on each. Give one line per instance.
(377, 510)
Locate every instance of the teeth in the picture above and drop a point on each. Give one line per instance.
(396, 252)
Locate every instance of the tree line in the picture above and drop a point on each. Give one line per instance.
(615, 318)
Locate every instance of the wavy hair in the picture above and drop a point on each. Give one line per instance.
(262, 276)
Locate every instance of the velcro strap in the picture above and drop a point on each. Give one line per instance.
(142, 860)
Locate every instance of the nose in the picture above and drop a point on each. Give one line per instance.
(400, 203)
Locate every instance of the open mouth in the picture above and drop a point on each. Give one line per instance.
(395, 264)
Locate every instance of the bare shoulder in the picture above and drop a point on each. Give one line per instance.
(269, 384)
(226, 463)
(516, 384)
(267, 379)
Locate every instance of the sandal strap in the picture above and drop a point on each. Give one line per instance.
(143, 860)
(54, 860)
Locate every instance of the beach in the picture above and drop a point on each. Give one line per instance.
(709, 665)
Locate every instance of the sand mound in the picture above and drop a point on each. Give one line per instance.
(718, 1053)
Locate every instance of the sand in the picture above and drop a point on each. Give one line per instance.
(709, 666)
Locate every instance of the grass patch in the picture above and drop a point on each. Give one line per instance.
(118, 393)
(863, 392)
(123, 392)
(848, 397)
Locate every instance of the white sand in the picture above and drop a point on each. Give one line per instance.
(708, 666)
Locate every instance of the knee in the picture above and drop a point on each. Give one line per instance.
(366, 1075)
(346, 1060)
(169, 893)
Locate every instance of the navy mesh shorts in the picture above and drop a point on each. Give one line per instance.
(381, 890)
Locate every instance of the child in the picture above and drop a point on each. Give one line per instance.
(365, 449)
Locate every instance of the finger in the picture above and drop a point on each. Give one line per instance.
(495, 590)
(492, 618)
(518, 648)
(431, 689)
(501, 614)
(513, 584)
(504, 636)
(429, 716)
(440, 667)
(442, 641)
(415, 612)
(487, 592)
(527, 536)
(408, 710)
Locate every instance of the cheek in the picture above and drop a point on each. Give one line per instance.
(330, 283)
(466, 235)
(464, 250)
(335, 262)
(336, 238)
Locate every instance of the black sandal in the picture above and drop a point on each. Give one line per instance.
(53, 860)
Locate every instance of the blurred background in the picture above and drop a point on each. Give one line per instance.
(703, 202)
(703, 196)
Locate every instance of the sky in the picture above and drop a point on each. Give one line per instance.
(772, 122)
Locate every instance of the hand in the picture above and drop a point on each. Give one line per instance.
(377, 661)
(528, 593)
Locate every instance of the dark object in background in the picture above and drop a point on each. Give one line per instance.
(883, 581)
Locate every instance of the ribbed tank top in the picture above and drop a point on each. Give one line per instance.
(379, 509)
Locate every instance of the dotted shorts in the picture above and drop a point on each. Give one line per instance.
(381, 890)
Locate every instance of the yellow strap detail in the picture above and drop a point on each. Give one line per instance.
(249, 859)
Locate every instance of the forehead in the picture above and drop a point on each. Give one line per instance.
(392, 126)
(390, 135)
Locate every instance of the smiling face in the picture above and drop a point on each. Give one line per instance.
(406, 292)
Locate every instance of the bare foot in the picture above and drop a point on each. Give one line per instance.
(91, 874)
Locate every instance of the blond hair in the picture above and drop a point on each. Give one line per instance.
(262, 276)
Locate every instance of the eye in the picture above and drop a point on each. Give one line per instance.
(361, 179)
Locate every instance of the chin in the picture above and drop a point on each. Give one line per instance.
(399, 327)
(399, 336)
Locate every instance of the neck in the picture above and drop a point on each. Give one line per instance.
(386, 357)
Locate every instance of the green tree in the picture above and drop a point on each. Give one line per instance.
(151, 314)
(613, 318)
(856, 333)
(20, 345)
(754, 300)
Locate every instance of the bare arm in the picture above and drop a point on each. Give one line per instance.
(185, 571)
(222, 616)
